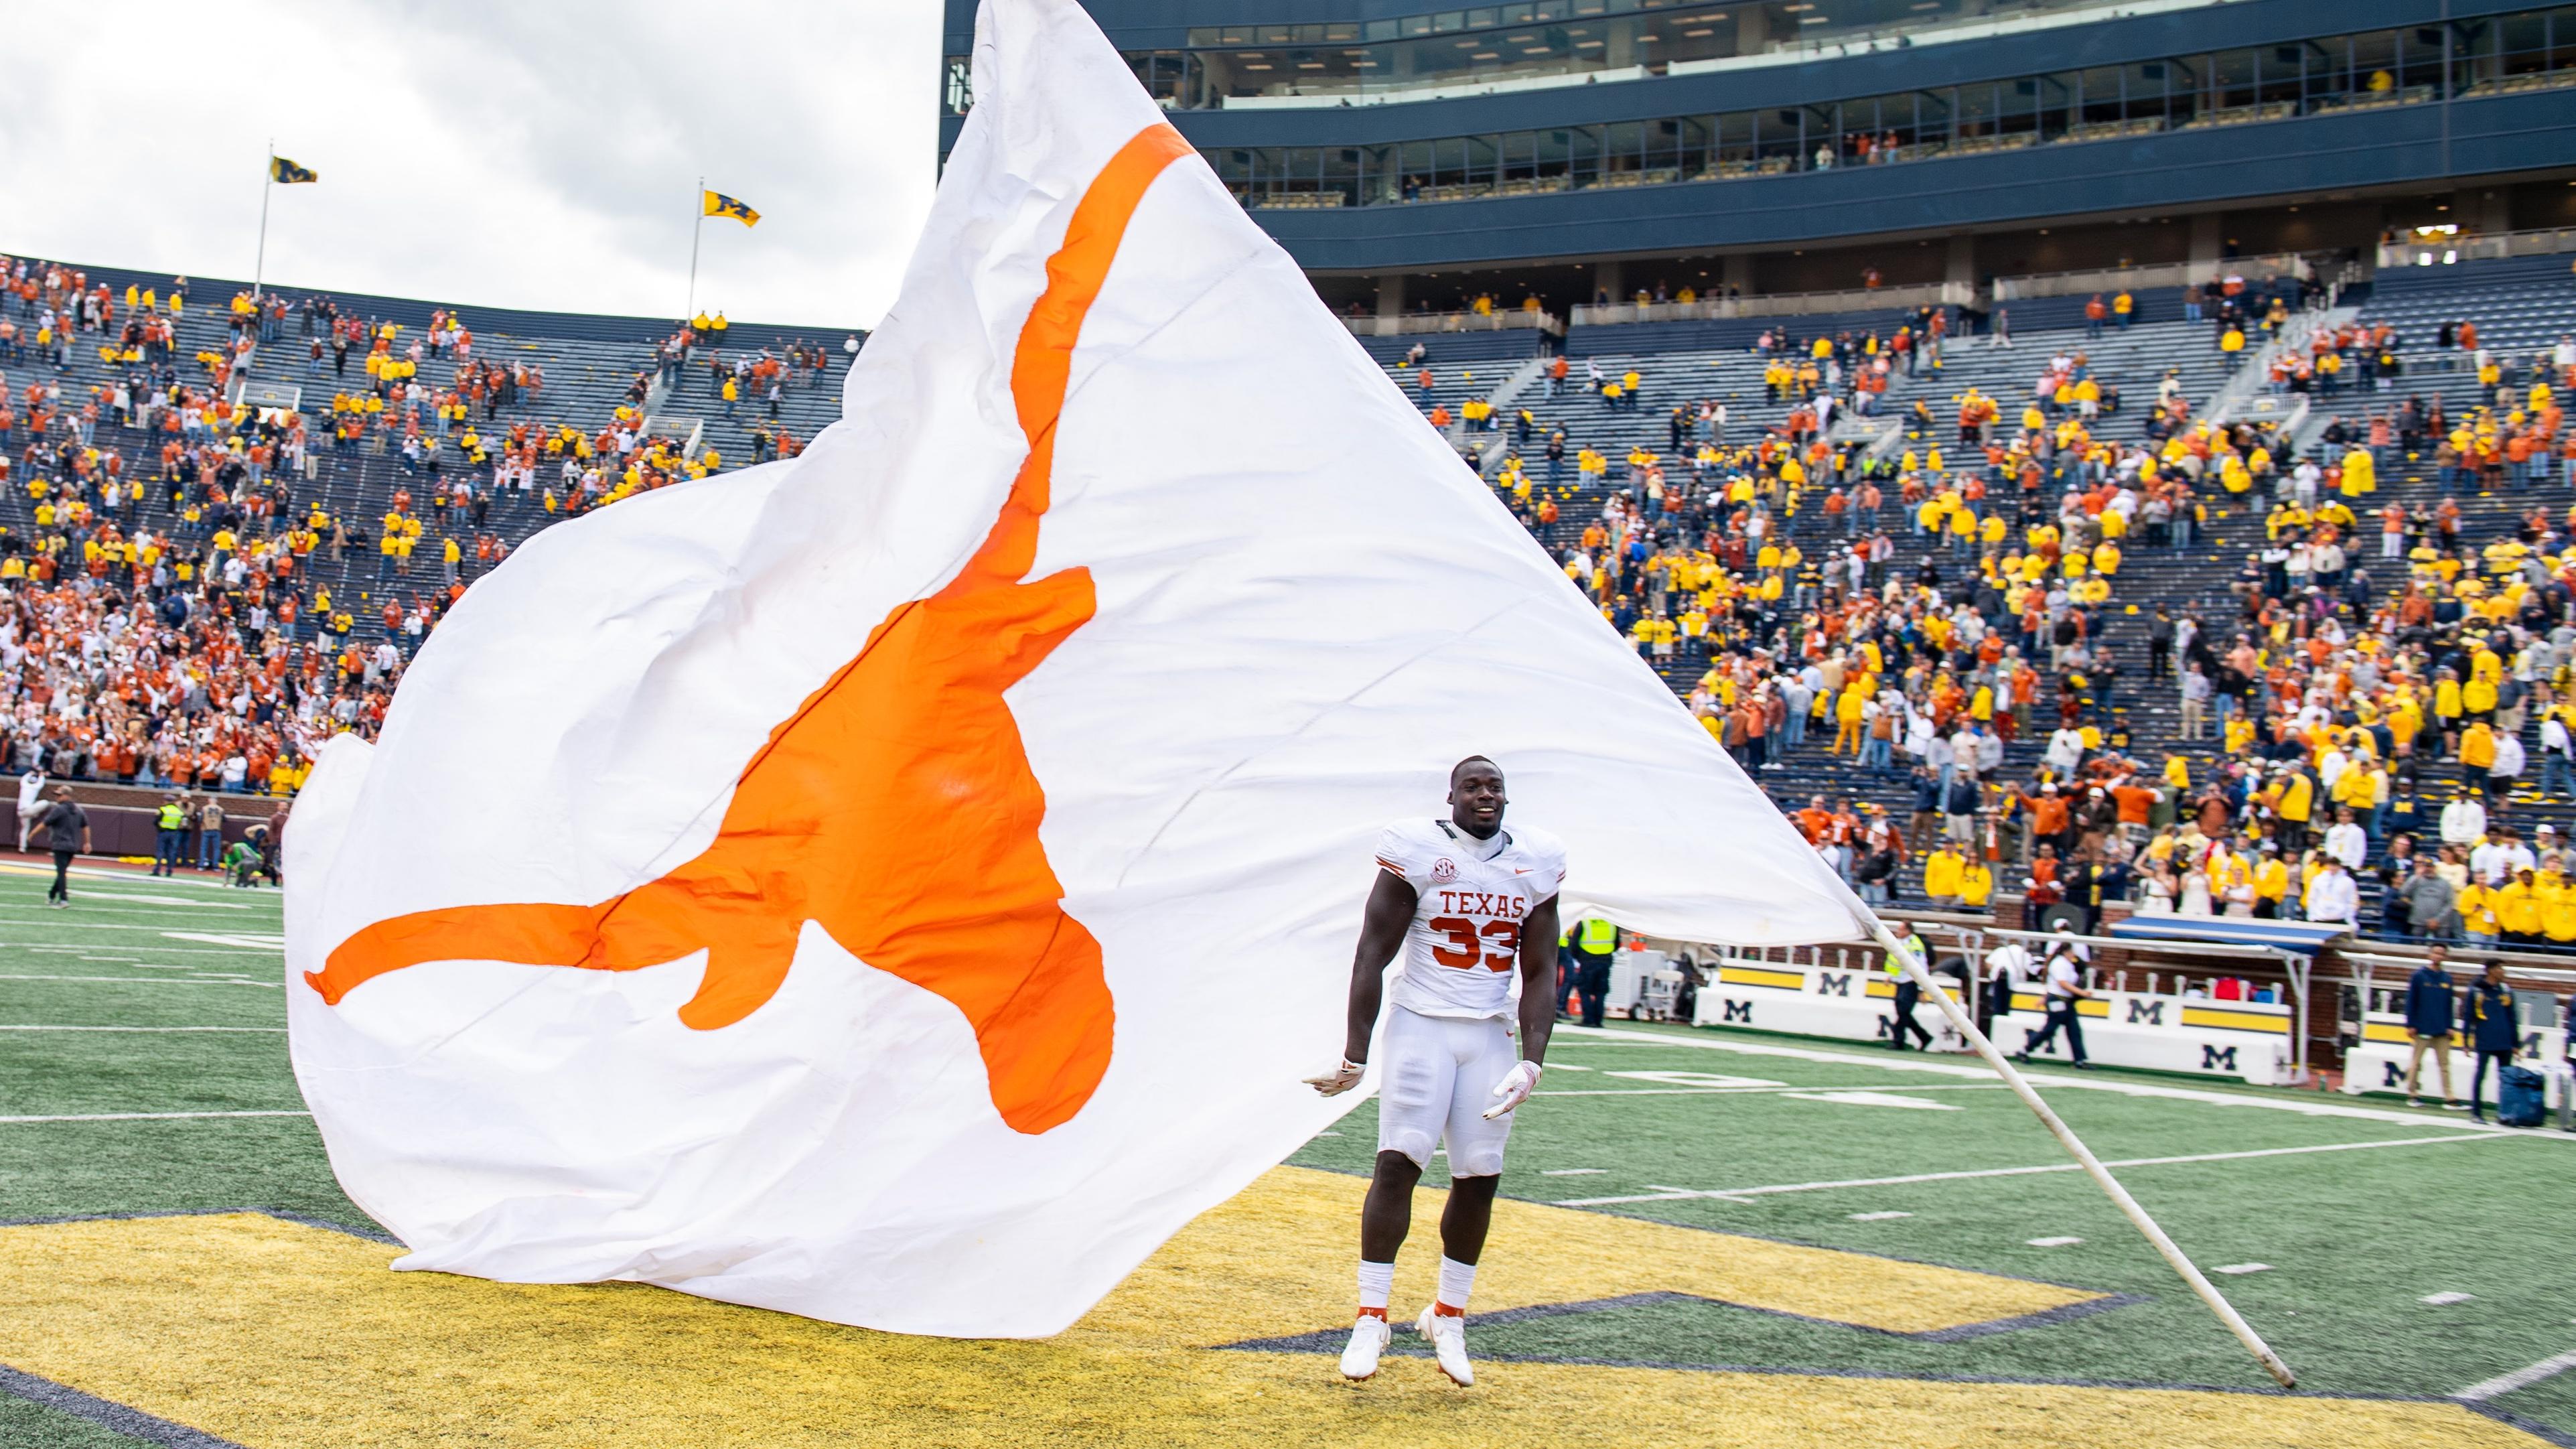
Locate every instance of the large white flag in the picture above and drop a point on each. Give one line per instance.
(904, 884)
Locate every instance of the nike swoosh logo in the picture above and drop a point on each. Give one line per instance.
(1520, 872)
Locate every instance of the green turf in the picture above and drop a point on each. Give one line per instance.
(27, 1425)
(2354, 1239)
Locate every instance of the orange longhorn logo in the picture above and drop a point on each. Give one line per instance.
(896, 807)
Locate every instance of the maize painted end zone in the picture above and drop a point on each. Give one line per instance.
(1713, 1237)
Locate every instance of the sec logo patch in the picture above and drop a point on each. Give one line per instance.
(1444, 870)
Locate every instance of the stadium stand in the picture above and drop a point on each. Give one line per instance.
(1965, 553)
(224, 526)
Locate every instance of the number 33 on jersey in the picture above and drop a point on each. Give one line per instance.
(1470, 899)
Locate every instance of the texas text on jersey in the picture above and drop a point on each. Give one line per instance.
(1471, 896)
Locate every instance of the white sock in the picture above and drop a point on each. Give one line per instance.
(1377, 1280)
(1456, 1281)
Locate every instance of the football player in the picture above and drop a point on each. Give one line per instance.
(1471, 905)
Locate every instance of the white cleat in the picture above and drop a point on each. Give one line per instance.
(1368, 1340)
(1448, 1335)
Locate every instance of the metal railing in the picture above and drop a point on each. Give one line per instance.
(1779, 304)
(1499, 320)
(2255, 270)
(2493, 246)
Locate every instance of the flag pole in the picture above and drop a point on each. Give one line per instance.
(1915, 968)
(697, 228)
(267, 183)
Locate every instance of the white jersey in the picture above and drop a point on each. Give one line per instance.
(1463, 949)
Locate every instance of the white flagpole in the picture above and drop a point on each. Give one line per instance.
(1916, 968)
(697, 228)
(267, 183)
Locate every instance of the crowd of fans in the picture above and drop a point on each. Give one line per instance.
(179, 595)
(2357, 715)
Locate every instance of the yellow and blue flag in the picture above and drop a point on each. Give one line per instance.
(287, 173)
(718, 204)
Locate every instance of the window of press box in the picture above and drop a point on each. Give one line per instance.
(2369, 70)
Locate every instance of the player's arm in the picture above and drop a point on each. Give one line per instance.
(1390, 910)
(1538, 981)
(1538, 1007)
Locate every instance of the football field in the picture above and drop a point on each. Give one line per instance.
(1720, 1238)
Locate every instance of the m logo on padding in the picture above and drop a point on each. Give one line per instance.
(1739, 1011)
(2217, 1059)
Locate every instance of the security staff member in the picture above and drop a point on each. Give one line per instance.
(1594, 940)
(1909, 994)
(173, 836)
(2066, 961)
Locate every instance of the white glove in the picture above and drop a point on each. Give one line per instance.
(1339, 1080)
(1513, 1089)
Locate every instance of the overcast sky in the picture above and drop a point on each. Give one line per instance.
(492, 152)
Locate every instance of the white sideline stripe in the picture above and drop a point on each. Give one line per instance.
(1574, 1172)
(57, 923)
(1677, 1193)
(144, 1116)
(158, 980)
(243, 939)
(277, 1030)
(151, 900)
(100, 872)
(1782, 1090)
(1873, 1099)
(2241, 1269)
(2445, 1300)
(2521, 1378)
(2054, 1242)
(1608, 1036)
(1877, 1217)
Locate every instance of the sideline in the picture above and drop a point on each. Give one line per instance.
(148, 1116)
(1737, 1194)
(1891, 1061)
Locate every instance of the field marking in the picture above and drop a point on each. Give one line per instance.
(1574, 1172)
(2445, 1300)
(2053, 1242)
(1878, 1217)
(1606, 1036)
(2521, 1378)
(151, 900)
(1873, 1099)
(148, 1116)
(1779, 1090)
(158, 980)
(1675, 1194)
(243, 939)
(56, 923)
(24, 1026)
(2241, 1269)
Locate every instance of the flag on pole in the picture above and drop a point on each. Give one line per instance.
(718, 204)
(287, 173)
(929, 864)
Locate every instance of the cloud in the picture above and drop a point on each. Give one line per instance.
(496, 154)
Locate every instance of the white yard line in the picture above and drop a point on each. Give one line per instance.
(158, 980)
(143, 1116)
(2521, 1378)
(1755, 1091)
(57, 923)
(2311, 1105)
(1678, 1194)
(268, 1030)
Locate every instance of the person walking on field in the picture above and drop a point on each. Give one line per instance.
(67, 835)
(2065, 988)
